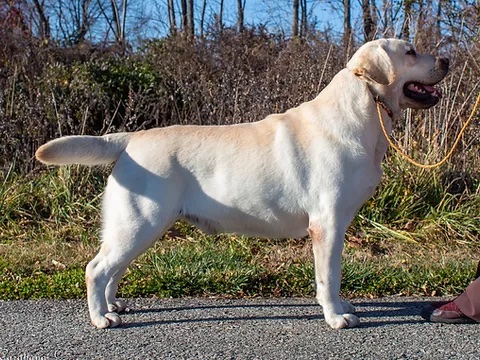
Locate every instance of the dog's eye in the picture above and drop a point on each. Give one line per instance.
(411, 52)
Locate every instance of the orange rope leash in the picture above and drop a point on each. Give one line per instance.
(449, 154)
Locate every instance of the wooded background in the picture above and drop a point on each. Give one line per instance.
(126, 23)
(98, 66)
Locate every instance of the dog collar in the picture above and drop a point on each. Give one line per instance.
(378, 99)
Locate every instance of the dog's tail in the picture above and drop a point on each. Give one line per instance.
(86, 150)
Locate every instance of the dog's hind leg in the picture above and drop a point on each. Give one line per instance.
(327, 242)
(131, 224)
(114, 304)
(120, 247)
(100, 274)
(97, 275)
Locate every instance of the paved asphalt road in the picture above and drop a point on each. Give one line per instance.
(231, 329)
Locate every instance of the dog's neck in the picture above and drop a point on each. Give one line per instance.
(378, 99)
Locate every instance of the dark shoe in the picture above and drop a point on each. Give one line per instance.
(447, 313)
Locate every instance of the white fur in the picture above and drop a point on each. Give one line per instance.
(306, 171)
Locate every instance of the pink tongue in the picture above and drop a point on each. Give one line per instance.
(429, 88)
(436, 92)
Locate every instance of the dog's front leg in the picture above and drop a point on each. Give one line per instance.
(327, 241)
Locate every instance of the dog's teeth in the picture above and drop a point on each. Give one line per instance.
(417, 88)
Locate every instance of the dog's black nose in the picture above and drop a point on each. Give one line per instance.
(443, 63)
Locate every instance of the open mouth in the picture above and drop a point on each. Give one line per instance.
(421, 92)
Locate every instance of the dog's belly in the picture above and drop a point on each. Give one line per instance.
(269, 224)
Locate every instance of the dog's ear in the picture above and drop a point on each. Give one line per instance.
(373, 64)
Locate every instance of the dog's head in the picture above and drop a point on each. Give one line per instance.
(402, 77)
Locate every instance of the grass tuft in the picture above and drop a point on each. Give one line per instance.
(411, 238)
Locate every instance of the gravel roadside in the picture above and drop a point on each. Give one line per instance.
(192, 328)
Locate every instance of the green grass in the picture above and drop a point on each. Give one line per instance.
(206, 269)
(412, 238)
(379, 278)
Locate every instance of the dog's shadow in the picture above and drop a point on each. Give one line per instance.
(372, 314)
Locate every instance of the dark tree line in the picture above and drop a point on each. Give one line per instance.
(71, 22)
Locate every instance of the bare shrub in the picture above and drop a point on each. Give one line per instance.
(228, 77)
(223, 79)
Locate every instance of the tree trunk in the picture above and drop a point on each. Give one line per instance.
(439, 22)
(477, 15)
(202, 17)
(220, 17)
(119, 22)
(84, 25)
(171, 18)
(240, 7)
(190, 20)
(347, 26)
(116, 20)
(296, 5)
(421, 15)
(44, 25)
(303, 19)
(368, 25)
(407, 18)
(124, 22)
(183, 4)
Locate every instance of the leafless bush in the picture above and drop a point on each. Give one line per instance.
(220, 80)
(228, 77)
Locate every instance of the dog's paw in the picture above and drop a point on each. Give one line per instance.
(348, 307)
(342, 321)
(118, 306)
(110, 320)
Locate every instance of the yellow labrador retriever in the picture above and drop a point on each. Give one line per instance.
(306, 171)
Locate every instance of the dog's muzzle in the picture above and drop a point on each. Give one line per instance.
(425, 94)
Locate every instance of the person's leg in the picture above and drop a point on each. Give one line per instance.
(469, 301)
(464, 309)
